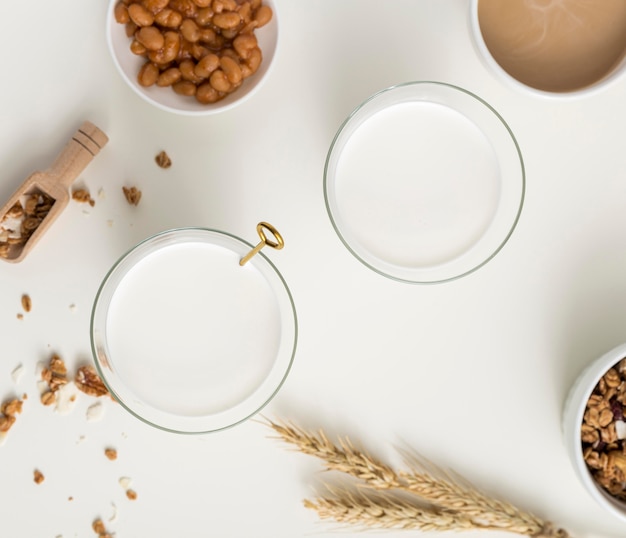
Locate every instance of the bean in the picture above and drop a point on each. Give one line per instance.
(208, 35)
(154, 6)
(187, 70)
(205, 16)
(170, 50)
(231, 69)
(230, 53)
(219, 81)
(254, 4)
(121, 13)
(169, 76)
(252, 62)
(168, 18)
(185, 7)
(224, 5)
(184, 87)
(227, 20)
(245, 11)
(148, 74)
(206, 66)
(244, 43)
(137, 48)
(262, 16)
(198, 51)
(131, 28)
(190, 30)
(207, 94)
(150, 37)
(140, 15)
(202, 3)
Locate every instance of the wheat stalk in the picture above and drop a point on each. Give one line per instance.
(368, 510)
(448, 496)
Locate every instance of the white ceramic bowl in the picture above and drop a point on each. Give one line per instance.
(128, 65)
(574, 410)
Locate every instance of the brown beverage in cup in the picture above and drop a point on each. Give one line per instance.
(555, 45)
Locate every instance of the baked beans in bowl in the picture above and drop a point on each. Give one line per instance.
(193, 57)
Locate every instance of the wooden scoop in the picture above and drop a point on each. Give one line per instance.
(44, 195)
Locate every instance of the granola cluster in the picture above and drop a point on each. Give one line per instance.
(8, 412)
(21, 221)
(55, 376)
(603, 431)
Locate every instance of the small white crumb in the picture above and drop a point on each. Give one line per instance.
(95, 412)
(42, 387)
(101, 193)
(125, 482)
(86, 213)
(620, 429)
(110, 223)
(66, 397)
(72, 308)
(113, 517)
(17, 373)
(81, 440)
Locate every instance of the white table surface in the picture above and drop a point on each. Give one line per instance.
(472, 373)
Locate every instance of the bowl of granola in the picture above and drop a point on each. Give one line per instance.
(594, 428)
(193, 57)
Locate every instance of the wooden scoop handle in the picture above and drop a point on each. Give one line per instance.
(85, 144)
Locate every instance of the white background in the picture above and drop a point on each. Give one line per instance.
(473, 373)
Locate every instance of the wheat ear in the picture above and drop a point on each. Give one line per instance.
(366, 509)
(464, 501)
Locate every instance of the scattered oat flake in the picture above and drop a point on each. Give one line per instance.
(125, 482)
(27, 303)
(72, 308)
(38, 476)
(65, 398)
(101, 193)
(132, 194)
(113, 517)
(110, 453)
(17, 373)
(95, 412)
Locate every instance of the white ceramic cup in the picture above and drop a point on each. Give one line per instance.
(573, 413)
(502, 74)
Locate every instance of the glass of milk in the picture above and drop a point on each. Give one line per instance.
(424, 182)
(186, 338)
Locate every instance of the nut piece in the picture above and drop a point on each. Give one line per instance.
(163, 160)
(82, 196)
(131, 494)
(12, 408)
(88, 381)
(132, 194)
(38, 476)
(27, 303)
(48, 398)
(110, 453)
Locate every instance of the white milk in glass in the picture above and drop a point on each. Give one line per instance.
(417, 185)
(192, 331)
